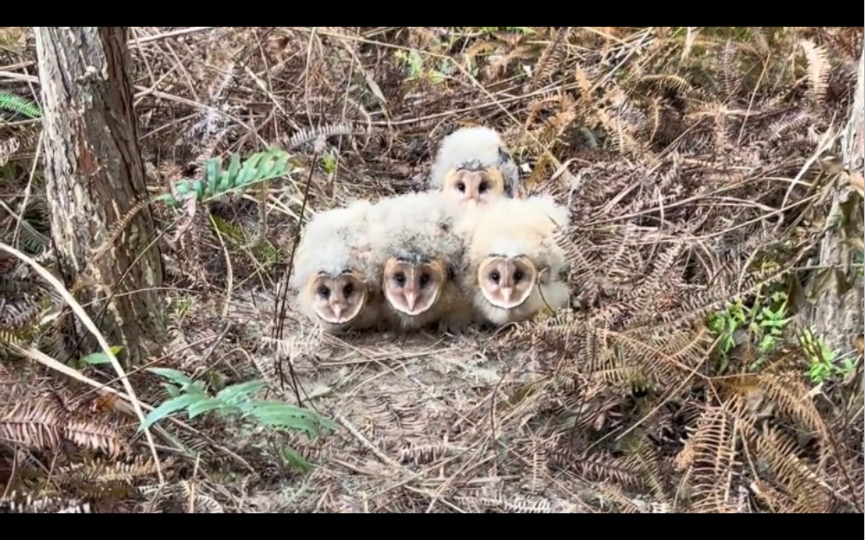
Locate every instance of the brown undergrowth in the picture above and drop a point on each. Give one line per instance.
(695, 162)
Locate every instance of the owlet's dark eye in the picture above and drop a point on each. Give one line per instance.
(348, 289)
(324, 292)
(424, 279)
(399, 278)
(518, 275)
(462, 187)
(483, 187)
(495, 276)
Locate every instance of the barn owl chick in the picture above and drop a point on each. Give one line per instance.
(474, 166)
(414, 239)
(515, 268)
(334, 273)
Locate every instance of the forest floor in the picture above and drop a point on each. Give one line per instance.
(695, 162)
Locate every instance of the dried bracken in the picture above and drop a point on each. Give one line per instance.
(694, 162)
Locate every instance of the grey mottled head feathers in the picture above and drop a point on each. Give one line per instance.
(474, 148)
(330, 243)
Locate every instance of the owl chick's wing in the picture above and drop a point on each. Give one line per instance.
(481, 145)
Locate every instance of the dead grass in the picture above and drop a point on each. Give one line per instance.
(694, 161)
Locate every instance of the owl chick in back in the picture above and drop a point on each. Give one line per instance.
(334, 272)
(419, 253)
(474, 166)
(514, 268)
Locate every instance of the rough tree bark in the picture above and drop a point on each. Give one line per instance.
(94, 176)
(836, 312)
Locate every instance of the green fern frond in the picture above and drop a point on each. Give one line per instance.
(260, 167)
(20, 105)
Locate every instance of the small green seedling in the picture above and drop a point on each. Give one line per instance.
(765, 325)
(822, 359)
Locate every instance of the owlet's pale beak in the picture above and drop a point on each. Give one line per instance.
(410, 299)
(506, 293)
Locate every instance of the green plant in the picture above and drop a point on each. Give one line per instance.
(193, 397)
(416, 71)
(822, 358)
(411, 59)
(328, 163)
(20, 105)
(259, 167)
(98, 358)
(764, 323)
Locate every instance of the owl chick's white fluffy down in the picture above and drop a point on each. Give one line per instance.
(336, 278)
(473, 165)
(515, 267)
(414, 242)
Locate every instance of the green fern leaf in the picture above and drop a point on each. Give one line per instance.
(20, 105)
(259, 167)
(205, 405)
(232, 394)
(167, 408)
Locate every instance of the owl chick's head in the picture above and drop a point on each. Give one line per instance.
(506, 282)
(412, 284)
(474, 183)
(337, 299)
(477, 158)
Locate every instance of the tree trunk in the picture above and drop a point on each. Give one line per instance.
(94, 177)
(836, 311)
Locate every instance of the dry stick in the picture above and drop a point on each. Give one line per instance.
(88, 323)
(230, 284)
(281, 299)
(354, 60)
(363, 440)
(27, 190)
(826, 142)
(306, 74)
(174, 33)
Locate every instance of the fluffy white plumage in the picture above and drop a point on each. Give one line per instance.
(481, 145)
(333, 242)
(418, 227)
(511, 228)
(330, 241)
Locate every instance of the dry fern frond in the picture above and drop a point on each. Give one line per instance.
(818, 69)
(624, 471)
(617, 497)
(550, 59)
(101, 471)
(514, 505)
(16, 503)
(319, 132)
(7, 148)
(426, 453)
(711, 452)
(43, 424)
